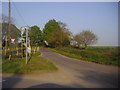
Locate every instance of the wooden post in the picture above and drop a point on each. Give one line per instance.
(9, 29)
(17, 51)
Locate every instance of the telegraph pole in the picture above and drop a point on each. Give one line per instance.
(9, 29)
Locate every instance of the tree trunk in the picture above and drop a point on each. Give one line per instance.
(85, 45)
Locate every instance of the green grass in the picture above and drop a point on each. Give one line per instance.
(0, 65)
(106, 55)
(36, 63)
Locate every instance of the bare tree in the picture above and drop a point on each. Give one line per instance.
(5, 19)
(86, 37)
(78, 38)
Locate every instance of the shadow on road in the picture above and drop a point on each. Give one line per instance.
(101, 79)
(53, 85)
(10, 82)
(48, 85)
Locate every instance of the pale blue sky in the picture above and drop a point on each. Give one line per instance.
(100, 17)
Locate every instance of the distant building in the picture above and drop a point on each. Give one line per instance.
(74, 43)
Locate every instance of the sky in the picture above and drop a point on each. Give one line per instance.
(99, 17)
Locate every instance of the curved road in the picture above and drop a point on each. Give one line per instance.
(72, 73)
(85, 74)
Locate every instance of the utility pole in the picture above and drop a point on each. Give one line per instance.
(9, 29)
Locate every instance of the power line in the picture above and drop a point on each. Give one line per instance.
(19, 14)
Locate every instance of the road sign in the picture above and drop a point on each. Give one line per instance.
(13, 40)
(26, 28)
(29, 50)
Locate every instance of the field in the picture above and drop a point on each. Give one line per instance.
(36, 63)
(97, 54)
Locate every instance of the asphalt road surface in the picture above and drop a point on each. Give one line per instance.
(72, 73)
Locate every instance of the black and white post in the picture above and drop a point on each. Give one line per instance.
(26, 41)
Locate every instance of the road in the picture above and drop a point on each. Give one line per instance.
(72, 73)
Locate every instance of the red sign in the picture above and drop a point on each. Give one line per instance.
(13, 40)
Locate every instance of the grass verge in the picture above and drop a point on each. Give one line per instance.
(103, 55)
(35, 64)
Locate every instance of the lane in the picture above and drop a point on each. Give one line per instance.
(71, 74)
(19, 82)
(87, 74)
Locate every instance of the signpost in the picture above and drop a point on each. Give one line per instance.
(26, 43)
(13, 40)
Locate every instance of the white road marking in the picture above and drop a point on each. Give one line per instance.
(2, 80)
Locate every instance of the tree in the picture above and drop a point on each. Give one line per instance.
(78, 38)
(65, 34)
(35, 35)
(55, 38)
(50, 26)
(15, 32)
(56, 33)
(5, 19)
(86, 38)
